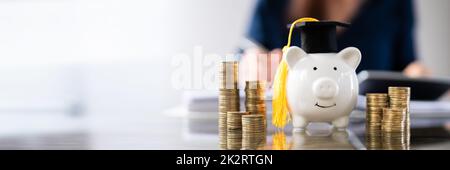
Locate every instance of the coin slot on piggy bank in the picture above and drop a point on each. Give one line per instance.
(321, 83)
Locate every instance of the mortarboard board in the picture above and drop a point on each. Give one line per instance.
(319, 37)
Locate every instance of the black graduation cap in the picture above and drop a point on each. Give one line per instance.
(319, 37)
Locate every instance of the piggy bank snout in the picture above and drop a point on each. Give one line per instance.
(325, 88)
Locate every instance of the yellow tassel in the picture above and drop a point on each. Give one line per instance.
(279, 102)
(281, 115)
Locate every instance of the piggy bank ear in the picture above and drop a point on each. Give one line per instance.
(293, 55)
(351, 56)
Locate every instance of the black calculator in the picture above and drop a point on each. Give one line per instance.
(428, 88)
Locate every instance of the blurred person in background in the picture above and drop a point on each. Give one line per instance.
(382, 29)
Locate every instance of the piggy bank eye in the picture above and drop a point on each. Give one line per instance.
(315, 68)
(335, 68)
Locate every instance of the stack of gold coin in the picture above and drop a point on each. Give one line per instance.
(373, 137)
(399, 97)
(234, 130)
(228, 74)
(393, 120)
(254, 132)
(223, 130)
(228, 97)
(255, 97)
(396, 135)
(374, 115)
(228, 100)
(375, 104)
(396, 141)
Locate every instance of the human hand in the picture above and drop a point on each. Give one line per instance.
(416, 69)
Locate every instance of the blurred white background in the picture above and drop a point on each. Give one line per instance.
(114, 56)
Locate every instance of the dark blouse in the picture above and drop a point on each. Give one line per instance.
(382, 30)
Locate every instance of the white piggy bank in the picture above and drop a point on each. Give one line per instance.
(321, 87)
